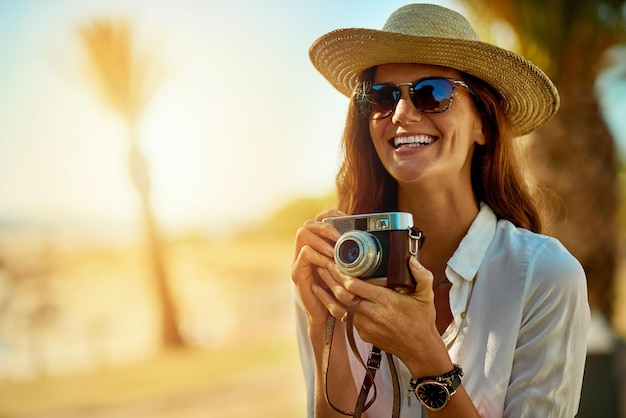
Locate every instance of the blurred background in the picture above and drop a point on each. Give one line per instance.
(157, 156)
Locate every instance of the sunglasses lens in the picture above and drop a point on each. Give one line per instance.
(433, 96)
(377, 101)
(383, 98)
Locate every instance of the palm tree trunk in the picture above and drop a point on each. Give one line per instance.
(170, 335)
(574, 155)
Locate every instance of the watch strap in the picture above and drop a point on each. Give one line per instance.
(451, 379)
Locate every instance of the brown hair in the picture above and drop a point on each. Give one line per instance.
(364, 186)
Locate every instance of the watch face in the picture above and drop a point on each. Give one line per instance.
(433, 395)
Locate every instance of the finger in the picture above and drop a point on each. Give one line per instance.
(317, 236)
(423, 278)
(305, 278)
(334, 307)
(306, 260)
(323, 229)
(333, 280)
(356, 286)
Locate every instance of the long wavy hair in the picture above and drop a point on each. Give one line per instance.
(365, 186)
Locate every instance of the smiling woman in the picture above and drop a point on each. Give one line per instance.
(430, 133)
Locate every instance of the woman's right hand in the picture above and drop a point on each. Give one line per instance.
(314, 249)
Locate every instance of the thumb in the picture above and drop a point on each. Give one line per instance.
(423, 278)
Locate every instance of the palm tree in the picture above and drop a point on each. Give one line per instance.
(574, 153)
(127, 81)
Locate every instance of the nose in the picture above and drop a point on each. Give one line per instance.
(405, 111)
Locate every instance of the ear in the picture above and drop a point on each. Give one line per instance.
(477, 131)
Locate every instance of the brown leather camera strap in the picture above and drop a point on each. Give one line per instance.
(372, 366)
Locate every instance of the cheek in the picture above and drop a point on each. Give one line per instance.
(374, 128)
(474, 122)
(468, 122)
(377, 131)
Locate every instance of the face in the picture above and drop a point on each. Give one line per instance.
(440, 145)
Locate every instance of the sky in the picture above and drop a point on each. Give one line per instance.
(240, 125)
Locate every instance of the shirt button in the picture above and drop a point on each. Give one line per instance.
(463, 315)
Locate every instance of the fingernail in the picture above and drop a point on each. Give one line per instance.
(416, 263)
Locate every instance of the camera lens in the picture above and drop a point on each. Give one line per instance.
(349, 251)
(358, 254)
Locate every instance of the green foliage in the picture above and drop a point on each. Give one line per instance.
(561, 37)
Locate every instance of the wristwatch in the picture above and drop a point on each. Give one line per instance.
(434, 392)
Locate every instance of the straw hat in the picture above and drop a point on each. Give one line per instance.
(430, 34)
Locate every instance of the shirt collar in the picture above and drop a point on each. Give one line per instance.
(473, 247)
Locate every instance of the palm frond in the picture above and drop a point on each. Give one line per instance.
(126, 78)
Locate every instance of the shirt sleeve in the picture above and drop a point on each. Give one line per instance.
(549, 358)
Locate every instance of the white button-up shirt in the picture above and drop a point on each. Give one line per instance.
(521, 318)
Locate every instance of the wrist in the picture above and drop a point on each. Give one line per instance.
(432, 361)
(434, 392)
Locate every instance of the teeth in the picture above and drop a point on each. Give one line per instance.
(413, 141)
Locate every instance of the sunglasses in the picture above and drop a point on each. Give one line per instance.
(429, 95)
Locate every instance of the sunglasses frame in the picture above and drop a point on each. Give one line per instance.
(362, 96)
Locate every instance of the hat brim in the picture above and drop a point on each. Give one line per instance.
(530, 97)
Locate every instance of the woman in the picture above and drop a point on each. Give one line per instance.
(497, 325)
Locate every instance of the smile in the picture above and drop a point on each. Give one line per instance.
(412, 141)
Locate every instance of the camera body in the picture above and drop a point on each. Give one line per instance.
(376, 247)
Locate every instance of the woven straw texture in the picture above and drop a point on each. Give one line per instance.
(429, 34)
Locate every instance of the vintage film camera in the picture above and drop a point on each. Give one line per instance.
(376, 247)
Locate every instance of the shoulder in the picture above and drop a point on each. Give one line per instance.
(540, 259)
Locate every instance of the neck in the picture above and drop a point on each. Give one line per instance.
(444, 219)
